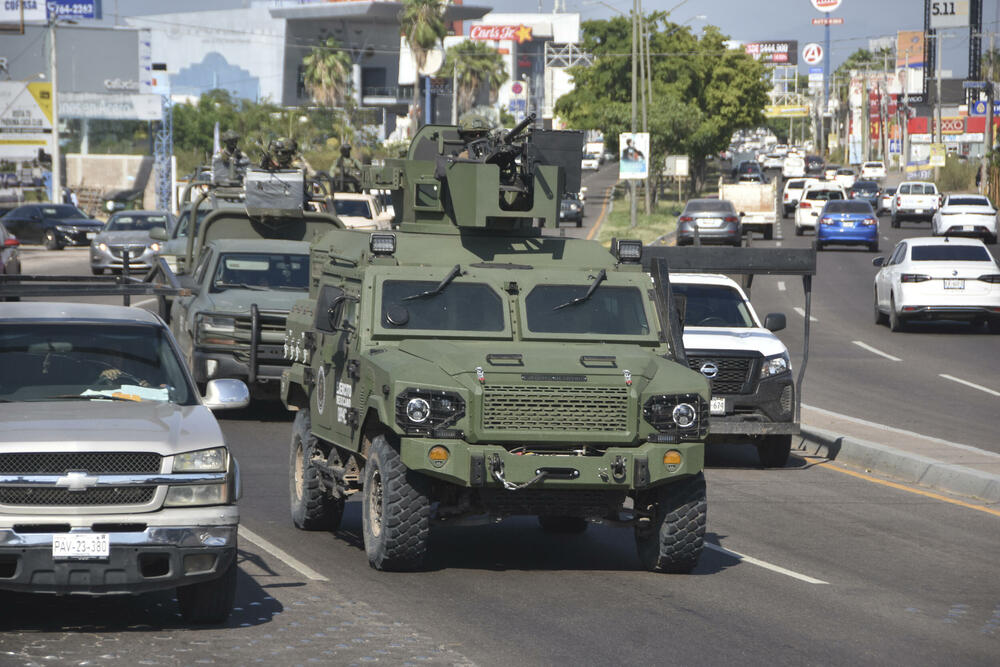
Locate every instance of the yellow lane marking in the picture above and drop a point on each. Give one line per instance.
(600, 218)
(902, 487)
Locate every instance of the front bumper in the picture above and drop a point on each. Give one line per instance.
(211, 364)
(617, 469)
(152, 559)
(112, 259)
(770, 409)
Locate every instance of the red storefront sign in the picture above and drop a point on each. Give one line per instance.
(498, 33)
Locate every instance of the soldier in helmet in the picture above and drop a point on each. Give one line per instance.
(346, 171)
(229, 164)
(471, 128)
(283, 153)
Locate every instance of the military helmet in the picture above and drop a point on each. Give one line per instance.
(283, 147)
(473, 123)
(230, 135)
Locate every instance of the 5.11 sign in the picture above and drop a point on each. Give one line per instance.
(949, 13)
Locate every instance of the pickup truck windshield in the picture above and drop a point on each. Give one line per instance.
(459, 307)
(713, 306)
(45, 361)
(356, 208)
(609, 310)
(264, 270)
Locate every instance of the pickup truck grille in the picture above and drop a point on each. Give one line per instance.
(549, 408)
(90, 462)
(135, 495)
(272, 327)
(734, 373)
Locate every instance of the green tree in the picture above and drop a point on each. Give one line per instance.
(990, 64)
(702, 92)
(328, 73)
(474, 64)
(422, 23)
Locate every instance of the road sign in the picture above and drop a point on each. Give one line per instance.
(973, 84)
(950, 14)
(812, 53)
(828, 20)
(826, 6)
(978, 108)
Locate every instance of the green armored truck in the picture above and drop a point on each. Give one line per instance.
(467, 366)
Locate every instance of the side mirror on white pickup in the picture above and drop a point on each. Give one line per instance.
(226, 394)
(775, 322)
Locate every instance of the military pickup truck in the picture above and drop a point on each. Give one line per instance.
(468, 368)
(114, 476)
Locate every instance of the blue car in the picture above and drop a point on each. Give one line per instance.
(848, 222)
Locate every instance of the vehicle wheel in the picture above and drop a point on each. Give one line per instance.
(579, 223)
(50, 241)
(671, 536)
(895, 322)
(784, 214)
(880, 317)
(991, 240)
(311, 505)
(564, 525)
(873, 247)
(993, 326)
(819, 246)
(209, 602)
(773, 450)
(96, 271)
(798, 230)
(895, 223)
(395, 511)
(769, 233)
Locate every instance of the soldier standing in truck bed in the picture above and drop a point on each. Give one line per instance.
(230, 163)
(346, 171)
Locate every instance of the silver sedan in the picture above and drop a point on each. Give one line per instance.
(127, 231)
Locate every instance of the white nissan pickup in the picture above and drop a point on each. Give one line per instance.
(753, 393)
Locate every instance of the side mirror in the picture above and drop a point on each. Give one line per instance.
(11, 242)
(226, 395)
(328, 308)
(742, 213)
(158, 233)
(775, 321)
(878, 261)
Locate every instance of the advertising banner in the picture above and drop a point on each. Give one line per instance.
(939, 155)
(110, 106)
(774, 53)
(910, 48)
(38, 12)
(786, 111)
(25, 118)
(634, 149)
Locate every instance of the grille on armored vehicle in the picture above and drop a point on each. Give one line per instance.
(548, 408)
(733, 376)
(51, 463)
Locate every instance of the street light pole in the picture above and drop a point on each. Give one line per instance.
(56, 157)
(634, 204)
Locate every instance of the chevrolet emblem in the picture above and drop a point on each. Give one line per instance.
(76, 481)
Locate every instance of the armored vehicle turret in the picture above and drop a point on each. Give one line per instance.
(467, 366)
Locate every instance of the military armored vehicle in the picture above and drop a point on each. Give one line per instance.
(466, 367)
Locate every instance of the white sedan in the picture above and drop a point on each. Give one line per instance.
(966, 215)
(929, 278)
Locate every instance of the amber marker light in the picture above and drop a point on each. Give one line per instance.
(672, 459)
(438, 455)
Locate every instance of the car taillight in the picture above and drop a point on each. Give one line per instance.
(869, 222)
(913, 278)
(825, 220)
(899, 200)
(685, 218)
(731, 218)
(804, 204)
(990, 278)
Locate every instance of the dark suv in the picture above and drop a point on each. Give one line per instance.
(55, 225)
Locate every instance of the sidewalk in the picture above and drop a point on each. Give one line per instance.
(904, 455)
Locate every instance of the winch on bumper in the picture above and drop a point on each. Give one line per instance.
(617, 468)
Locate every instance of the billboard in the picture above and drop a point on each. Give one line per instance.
(950, 14)
(25, 118)
(634, 152)
(910, 55)
(774, 53)
(15, 14)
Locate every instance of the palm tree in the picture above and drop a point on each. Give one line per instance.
(328, 73)
(474, 64)
(990, 64)
(422, 22)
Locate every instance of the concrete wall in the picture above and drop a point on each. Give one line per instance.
(110, 173)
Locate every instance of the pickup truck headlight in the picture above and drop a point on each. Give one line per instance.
(216, 330)
(203, 460)
(429, 412)
(685, 415)
(775, 365)
(197, 494)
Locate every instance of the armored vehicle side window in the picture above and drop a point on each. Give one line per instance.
(609, 310)
(261, 270)
(459, 307)
(45, 362)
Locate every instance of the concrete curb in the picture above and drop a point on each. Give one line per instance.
(902, 465)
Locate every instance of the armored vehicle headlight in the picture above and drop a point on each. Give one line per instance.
(418, 410)
(382, 244)
(775, 365)
(684, 415)
(203, 460)
(630, 250)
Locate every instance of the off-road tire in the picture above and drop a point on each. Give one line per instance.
(50, 241)
(675, 539)
(895, 321)
(395, 511)
(311, 505)
(564, 525)
(209, 602)
(773, 450)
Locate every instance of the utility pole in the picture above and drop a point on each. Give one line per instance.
(644, 72)
(634, 205)
(904, 157)
(938, 37)
(56, 157)
(454, 92)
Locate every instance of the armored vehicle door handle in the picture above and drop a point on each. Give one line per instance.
(514, 359)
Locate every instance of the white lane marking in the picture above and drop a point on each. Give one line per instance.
(893, 429)
(778, 244)
(143, 302)
(802, 313)
(969, 384)
(282, 555)
(781, 285)
(866, 346)
(764, 564)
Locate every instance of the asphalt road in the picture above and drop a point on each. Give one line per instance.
(835, 569)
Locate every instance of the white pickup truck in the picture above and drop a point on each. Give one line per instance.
(915, 200)
(757, 204)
